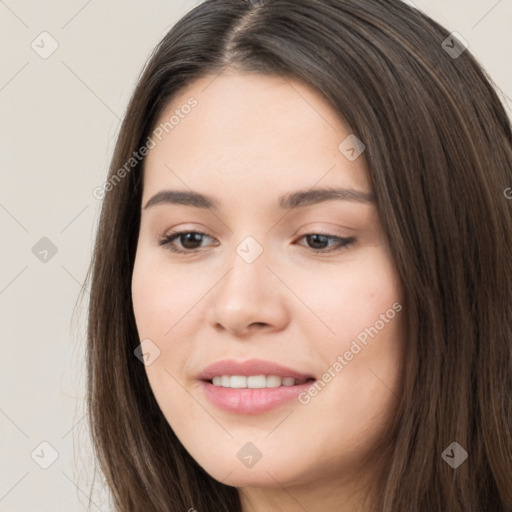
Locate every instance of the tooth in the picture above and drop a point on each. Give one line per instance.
(238, 381)
(256, 381)
(273, 381)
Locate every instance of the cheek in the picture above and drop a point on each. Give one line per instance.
(160, 295)
(368, 318)
(361, 304)
(147, 295)
(167, 310)
(351, 297)
(160, 304)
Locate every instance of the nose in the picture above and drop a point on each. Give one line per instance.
(249, 298)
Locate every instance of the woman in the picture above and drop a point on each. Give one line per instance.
(338, 335)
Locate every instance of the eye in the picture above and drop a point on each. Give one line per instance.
(320, 240)
(190, 241)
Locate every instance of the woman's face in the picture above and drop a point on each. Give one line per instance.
(271, 271)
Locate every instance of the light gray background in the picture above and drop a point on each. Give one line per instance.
(59, 117)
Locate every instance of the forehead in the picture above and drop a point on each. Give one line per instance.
(248, 129)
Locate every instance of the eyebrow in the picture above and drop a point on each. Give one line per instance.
(287, 202)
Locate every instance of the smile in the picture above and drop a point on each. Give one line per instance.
(256, 400)
(255, 381)
(251, 386)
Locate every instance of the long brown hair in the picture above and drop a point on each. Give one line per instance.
(439, 156)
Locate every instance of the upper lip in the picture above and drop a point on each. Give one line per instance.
(250, 367)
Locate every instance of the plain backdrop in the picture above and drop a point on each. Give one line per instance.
(59, 117)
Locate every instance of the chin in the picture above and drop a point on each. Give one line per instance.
(272, 473)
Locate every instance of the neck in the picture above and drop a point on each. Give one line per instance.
(337, 494)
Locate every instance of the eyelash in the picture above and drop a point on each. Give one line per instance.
(166, 241)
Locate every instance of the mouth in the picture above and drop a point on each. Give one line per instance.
(253, 386)
(256, 381)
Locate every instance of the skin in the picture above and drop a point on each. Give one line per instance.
(250, 139)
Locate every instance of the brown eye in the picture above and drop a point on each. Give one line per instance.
(319, 242)
(190, 241)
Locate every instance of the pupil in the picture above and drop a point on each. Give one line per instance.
(316, 237)
(189, 237)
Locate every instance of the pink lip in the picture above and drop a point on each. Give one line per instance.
(250, 367)
(246, 400)
(251, 401)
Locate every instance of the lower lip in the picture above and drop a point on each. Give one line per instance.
(251, 401)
